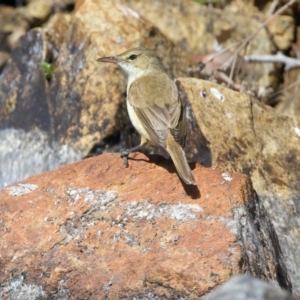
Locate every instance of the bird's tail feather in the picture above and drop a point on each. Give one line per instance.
(178, 157)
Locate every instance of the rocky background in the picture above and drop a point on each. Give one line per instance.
(95, 230)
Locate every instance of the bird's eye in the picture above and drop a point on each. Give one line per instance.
(132, 57)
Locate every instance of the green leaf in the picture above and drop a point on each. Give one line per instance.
(47, 68)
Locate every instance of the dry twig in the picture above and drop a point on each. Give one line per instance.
(279, 57)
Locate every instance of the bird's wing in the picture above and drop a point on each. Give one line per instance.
(179, 132)
(156, 104)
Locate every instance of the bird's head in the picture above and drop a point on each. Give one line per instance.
(136, 62)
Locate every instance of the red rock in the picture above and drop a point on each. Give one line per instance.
(96, 229)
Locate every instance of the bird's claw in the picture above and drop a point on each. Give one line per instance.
(124, 154)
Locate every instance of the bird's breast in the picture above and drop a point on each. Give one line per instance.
(136, 122)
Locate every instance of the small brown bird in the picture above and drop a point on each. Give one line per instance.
(153, 105)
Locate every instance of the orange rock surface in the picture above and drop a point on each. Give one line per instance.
(96, 229)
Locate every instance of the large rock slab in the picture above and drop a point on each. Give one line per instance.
(96, 230)
(246, 136)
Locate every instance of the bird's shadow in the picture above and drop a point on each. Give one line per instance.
(190, 189)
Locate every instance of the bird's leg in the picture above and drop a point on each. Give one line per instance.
(125, 152)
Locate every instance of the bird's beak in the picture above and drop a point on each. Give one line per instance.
(109, 59)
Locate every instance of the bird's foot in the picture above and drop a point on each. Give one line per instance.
(124, 154)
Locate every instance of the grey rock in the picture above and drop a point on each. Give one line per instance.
(26, 153)
(246, 287)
